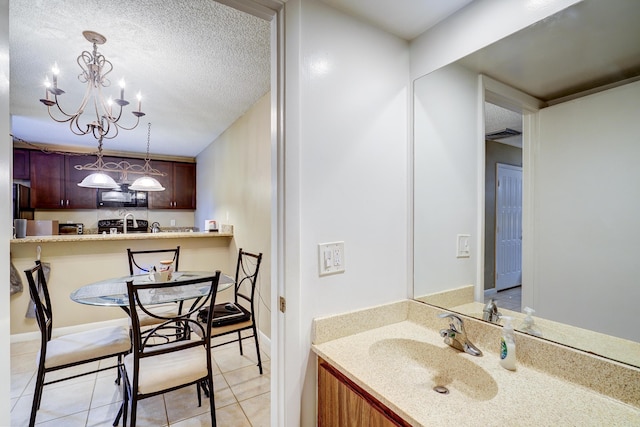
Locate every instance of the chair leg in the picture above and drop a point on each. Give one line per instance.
(240, 343)
(199, 394)
(37, 396)
(212, 403)
(134, 408)
(255, 337)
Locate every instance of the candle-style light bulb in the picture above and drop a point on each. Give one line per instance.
(47, 85)
(122, 88)
(55, 71)
(139, 96)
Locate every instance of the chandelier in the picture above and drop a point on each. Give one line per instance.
(95, 69)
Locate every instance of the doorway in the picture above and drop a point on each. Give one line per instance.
(503, 199)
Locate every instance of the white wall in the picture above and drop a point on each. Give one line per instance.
(446, 178)
(234, 186)
(5, 211)
(587, 190)
(345, 178)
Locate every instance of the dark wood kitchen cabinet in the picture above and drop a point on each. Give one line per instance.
(179, 184)
(21, 163)
(54, 182)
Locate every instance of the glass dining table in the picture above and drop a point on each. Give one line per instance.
(113, 292)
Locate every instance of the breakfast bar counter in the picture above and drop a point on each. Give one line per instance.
(76, 260)
(128, 236)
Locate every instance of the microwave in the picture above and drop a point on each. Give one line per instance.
(121, 197)
(71, 228)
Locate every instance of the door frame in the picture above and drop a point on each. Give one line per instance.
(490, 90)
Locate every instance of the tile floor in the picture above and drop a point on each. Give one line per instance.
(242, 395)
(509, 298)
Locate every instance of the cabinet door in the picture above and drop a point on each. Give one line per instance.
(21, 165)
(184, 185)
(162, 199)
(78, 197)
(47, 181)
(343, 403)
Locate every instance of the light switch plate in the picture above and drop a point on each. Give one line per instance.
(331, 258)
(464, 250)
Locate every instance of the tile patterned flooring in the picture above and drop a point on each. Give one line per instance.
(242, 395)
(509, 299)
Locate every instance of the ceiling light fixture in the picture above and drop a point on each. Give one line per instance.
(146, 182)
(95, 69)
(100, 179)
(97, 179)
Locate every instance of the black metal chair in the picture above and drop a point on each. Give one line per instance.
(136, 266)
(247, 270)
(71, 349)
(135, 257)
(153, 369)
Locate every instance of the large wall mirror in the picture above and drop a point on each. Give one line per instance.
(563, 96)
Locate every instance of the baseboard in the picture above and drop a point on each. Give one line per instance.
(265, 343)
(28, 336)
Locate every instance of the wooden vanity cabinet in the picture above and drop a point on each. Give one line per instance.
(179, 184)
(21, 163)
(341, 402)
(54, 182)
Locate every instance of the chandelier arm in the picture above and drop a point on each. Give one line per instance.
(119, 126)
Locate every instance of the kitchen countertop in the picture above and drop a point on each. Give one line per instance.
(128, 236)
(538, 393)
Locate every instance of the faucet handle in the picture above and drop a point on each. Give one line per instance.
(456, 322)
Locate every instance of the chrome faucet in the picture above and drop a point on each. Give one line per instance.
(456, 336)
(124, 222)
(490, 312)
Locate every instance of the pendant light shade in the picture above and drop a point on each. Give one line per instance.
(146, 183)
(98, 180)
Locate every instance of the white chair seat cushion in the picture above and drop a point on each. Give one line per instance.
(168, 370)
(81, 346)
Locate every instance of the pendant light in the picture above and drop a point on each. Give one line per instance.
(146, 182)
(98, 179)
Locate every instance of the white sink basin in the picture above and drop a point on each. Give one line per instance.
(423, 365)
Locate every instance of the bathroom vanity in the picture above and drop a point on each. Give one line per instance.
(388, 365)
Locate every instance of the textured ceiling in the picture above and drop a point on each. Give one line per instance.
(198, 64)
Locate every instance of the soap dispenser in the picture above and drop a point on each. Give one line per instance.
(508, 345)
(528, 324)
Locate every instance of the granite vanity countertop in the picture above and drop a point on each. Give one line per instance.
(490, 395)
(128, 236)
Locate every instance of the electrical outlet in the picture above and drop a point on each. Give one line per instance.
(331, 258)
(173, 222)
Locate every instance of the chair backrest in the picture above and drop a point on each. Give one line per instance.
(40, 296)
(247, 270)
(136, 256)
(145, 338)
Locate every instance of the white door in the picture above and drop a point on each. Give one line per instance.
(508, 226)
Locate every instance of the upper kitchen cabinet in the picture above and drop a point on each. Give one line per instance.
(21, 163)
(54, 182)
(179, 184)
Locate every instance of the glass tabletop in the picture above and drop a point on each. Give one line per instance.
(113, 292)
